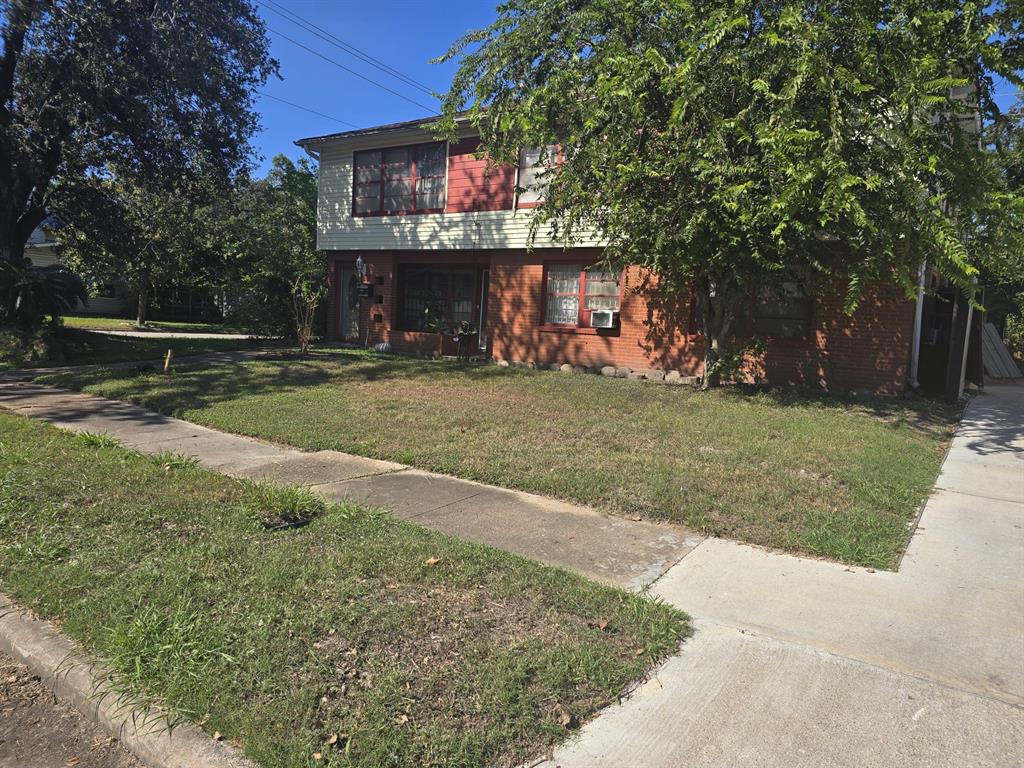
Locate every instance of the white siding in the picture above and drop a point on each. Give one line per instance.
(338, 229)
(42, 254)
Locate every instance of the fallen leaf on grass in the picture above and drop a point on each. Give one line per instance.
(317, 756)
(333, 739)
(563, 715)
(402, 719)
(432, 561)
(217, 735)
(72, 761)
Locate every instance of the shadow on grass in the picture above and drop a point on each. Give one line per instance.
(198, 386)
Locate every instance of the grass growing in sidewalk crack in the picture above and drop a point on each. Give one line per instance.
(356, 636)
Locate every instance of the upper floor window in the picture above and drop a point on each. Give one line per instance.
(532, 163)
(572, 292)
(399, 180)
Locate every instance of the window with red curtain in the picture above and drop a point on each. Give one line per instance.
(399, 180)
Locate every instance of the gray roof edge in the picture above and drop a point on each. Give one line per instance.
(405, 124)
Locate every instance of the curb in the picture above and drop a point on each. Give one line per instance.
(72, 677)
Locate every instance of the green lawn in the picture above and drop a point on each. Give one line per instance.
(121, 324)
(368, 640)
(72, 346)
(813, 474)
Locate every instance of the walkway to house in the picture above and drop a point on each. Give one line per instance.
(173, 334)
(801, 662)
(796, 662)
(624, 552)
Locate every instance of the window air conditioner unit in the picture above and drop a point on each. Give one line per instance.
(604, 318)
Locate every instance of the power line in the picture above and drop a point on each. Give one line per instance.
(307, 109)
(351, 71)
(337, 42)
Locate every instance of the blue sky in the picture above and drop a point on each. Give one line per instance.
(405, 34)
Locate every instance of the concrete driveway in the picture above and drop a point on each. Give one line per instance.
(800, 662)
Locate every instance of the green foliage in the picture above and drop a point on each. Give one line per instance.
(160, 92)
(96, 440)
(116, 229)
(28, 294)
(1015, 335)
(284, 506)
(729, 145)
(276, 273)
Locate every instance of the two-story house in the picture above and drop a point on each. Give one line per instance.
(421, 235)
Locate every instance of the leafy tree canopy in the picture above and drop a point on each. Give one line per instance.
(274, 267)
(114, 229)
(728, 144)
(157, 91)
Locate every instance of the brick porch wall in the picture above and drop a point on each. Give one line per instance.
(866, 352)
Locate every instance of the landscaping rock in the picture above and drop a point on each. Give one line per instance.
(580, 369)
(608, 370)
(635, 375)
(623, 372)
(565, 368)
(673, 377)
(654, 375)
(503, 364)
(555, 367)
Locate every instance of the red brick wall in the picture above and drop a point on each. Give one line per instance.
(868, 351)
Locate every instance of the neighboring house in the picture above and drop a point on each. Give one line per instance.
(44, 251)
(437, 234)
(42, 247)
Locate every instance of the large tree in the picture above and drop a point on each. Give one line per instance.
(117, 230)
(276, 274)
(732, 145)
(154, 90)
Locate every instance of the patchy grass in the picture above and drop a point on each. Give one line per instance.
(821, 475)
(71, 346)
(121, 324)
(368, 640)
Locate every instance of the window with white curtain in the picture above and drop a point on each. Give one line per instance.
(532, 163)
(572, 292)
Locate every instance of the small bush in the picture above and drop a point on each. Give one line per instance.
(284, 506)
(94, 440)
(172, 461)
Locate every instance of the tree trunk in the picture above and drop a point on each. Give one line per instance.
(143, 308)
(716, 305)
(12, 250)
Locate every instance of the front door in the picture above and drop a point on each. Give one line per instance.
(348, 282)
(482, 338)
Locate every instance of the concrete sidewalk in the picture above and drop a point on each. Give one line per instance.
(800, 662)
(211, 358)
(628, 553)
(796, 662)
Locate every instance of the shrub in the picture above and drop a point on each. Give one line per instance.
(28, 294)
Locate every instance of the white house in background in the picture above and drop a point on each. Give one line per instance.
(42, 247)
(44, 250)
